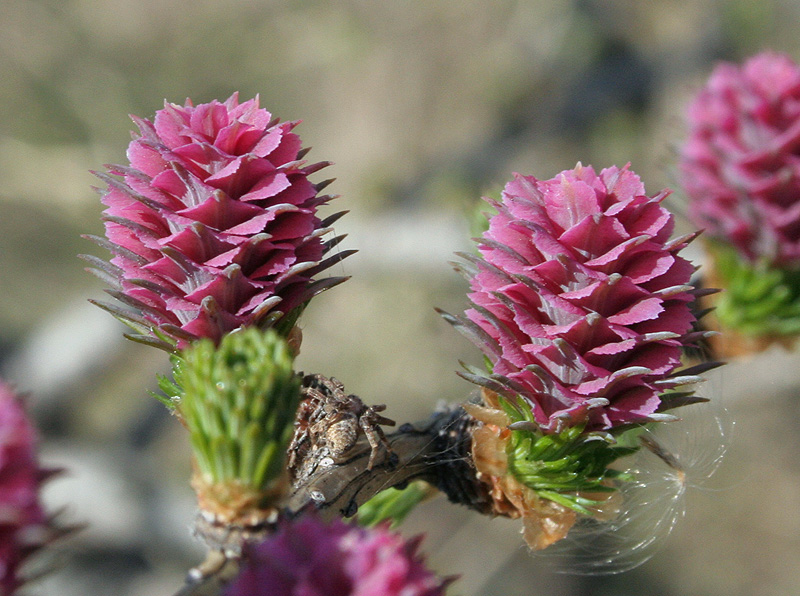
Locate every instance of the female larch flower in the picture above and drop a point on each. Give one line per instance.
(309, 557)
(580, 300)
(24, 527)
(740, 168)
(741, 162)
(213, 225)
(581, 305)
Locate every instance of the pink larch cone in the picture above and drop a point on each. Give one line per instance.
(213, 225)
(581, 301)
(24, 526)
(740, 165)
(308, 557)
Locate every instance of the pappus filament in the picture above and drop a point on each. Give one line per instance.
(674, 457)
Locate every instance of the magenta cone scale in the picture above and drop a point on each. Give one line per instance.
(23, 523)
(213, 225)
(740, 166)
(580, 300)
(308, 557)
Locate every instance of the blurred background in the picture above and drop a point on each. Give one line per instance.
(424, 106)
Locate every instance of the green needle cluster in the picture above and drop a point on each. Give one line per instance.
(393, 503)
(759, 299)
(565, 466)
(238, 401)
